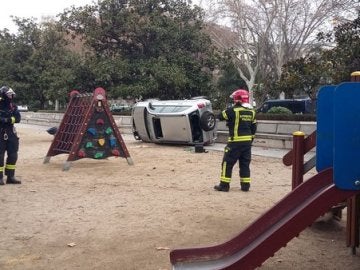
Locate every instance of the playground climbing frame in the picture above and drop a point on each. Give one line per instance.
(88, 130)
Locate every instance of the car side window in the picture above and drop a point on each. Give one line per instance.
(181, 108)
(168, 108)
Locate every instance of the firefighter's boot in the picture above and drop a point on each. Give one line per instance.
(12, 180)
(2, 182)
(245, 186)
(222, 187)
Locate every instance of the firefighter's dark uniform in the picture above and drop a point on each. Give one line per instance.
(9, 141)
(241, 122)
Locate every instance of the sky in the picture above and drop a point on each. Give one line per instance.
(34, 8)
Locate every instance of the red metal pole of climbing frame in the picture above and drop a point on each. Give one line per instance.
(298, 158)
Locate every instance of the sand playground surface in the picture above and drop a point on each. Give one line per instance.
(106, 214)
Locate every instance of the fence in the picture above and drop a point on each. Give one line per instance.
(270, 133)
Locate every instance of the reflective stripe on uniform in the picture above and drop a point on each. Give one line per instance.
(10, 167)
(1, 169)
(225, 179)
(237, 121)
(240, 138)
(223, 172)
(245, 180)
(225, 115)
(12, 119)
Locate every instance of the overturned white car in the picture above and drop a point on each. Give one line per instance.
(174, 121)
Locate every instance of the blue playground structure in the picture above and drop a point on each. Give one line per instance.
(338, 180)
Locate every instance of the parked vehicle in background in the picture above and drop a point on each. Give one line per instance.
(22, 108)
(119, 108)
(174, 121)
(296, 106)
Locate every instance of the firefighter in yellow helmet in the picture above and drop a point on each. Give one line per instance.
(241, 121)
(9, 141)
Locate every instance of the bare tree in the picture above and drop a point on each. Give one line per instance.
(278, 30)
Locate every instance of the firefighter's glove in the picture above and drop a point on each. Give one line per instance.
(5, 120)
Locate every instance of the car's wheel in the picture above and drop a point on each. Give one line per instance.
(207, 121)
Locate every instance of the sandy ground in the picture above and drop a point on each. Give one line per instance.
(106, 214)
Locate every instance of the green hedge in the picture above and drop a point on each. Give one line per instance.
(282, 117)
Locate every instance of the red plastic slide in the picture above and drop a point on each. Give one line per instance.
(270, 232)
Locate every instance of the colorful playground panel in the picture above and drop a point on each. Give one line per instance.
(88, 130)
(338, 133)
(347, 136)
(325, 128)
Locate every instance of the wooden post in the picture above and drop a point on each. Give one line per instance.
(298, 158)
(352, 223)
(355, 76)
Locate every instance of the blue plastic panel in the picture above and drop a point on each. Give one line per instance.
(347, 136)
(325, 128)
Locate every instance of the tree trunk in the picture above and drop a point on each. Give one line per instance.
(56, 105)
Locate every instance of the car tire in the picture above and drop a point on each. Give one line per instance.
(207, 121)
